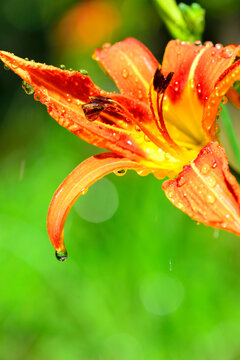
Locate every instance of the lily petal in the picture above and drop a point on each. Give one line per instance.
(196, 71)
(207, 191)
(234, 96)
(76, 184)
(131, 65)
(64, 92)
(222, 86)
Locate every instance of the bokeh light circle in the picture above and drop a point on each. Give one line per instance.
(161, 294)
(100, 202)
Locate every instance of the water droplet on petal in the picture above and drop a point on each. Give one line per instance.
(210, 199)
(211, 181)
(61, 255)
(205, 169)
(226, 53)
(179, 205)
(198, 43)
(214, 165)
(120, 172)
(84, 191)
(124, 73)
(224, 100)
(62, 67)
(180, 181)
(83, 72)
(137, 128)
(218, 46)
(140, 94)
(29, 90)
(208, 44)
(106, 45)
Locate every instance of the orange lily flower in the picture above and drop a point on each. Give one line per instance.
(163, 120)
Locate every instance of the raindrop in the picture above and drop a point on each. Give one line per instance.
(205, 169)
(107, 45)
(216, 233)
(120, 172)
(180, 181)
(84, 191)
(180, 205)
(124, 73)
(61, 255)
(211, 181)
(210, 199)
(29, 90)
(208, 44)
(198, 43)
(140, 94)
(22, 168)
(218, 46)
(62, 67)
(83, 72)
(26, 58)
(226, 53)
(224, 100)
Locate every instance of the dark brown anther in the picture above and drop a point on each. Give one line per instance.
(160, 83)
(93, 110)
(96, 105)
(101, 99)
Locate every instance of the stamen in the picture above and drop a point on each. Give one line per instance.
(93, 110)
(160, 84)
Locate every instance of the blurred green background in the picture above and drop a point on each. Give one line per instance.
(142, 281)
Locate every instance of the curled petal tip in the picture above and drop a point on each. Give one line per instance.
(61, 255)
(76, 184)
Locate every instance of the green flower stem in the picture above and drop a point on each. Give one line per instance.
(184, 22)
(226, 118)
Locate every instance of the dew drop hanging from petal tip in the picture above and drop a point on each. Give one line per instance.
(61, 255)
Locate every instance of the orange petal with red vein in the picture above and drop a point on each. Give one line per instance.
(76, 184)
(212, 63)
(222, 86)
(206, 63)
(131, 65)
(234, 96)
(207, 191)
(179, 58)
(64, 92)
